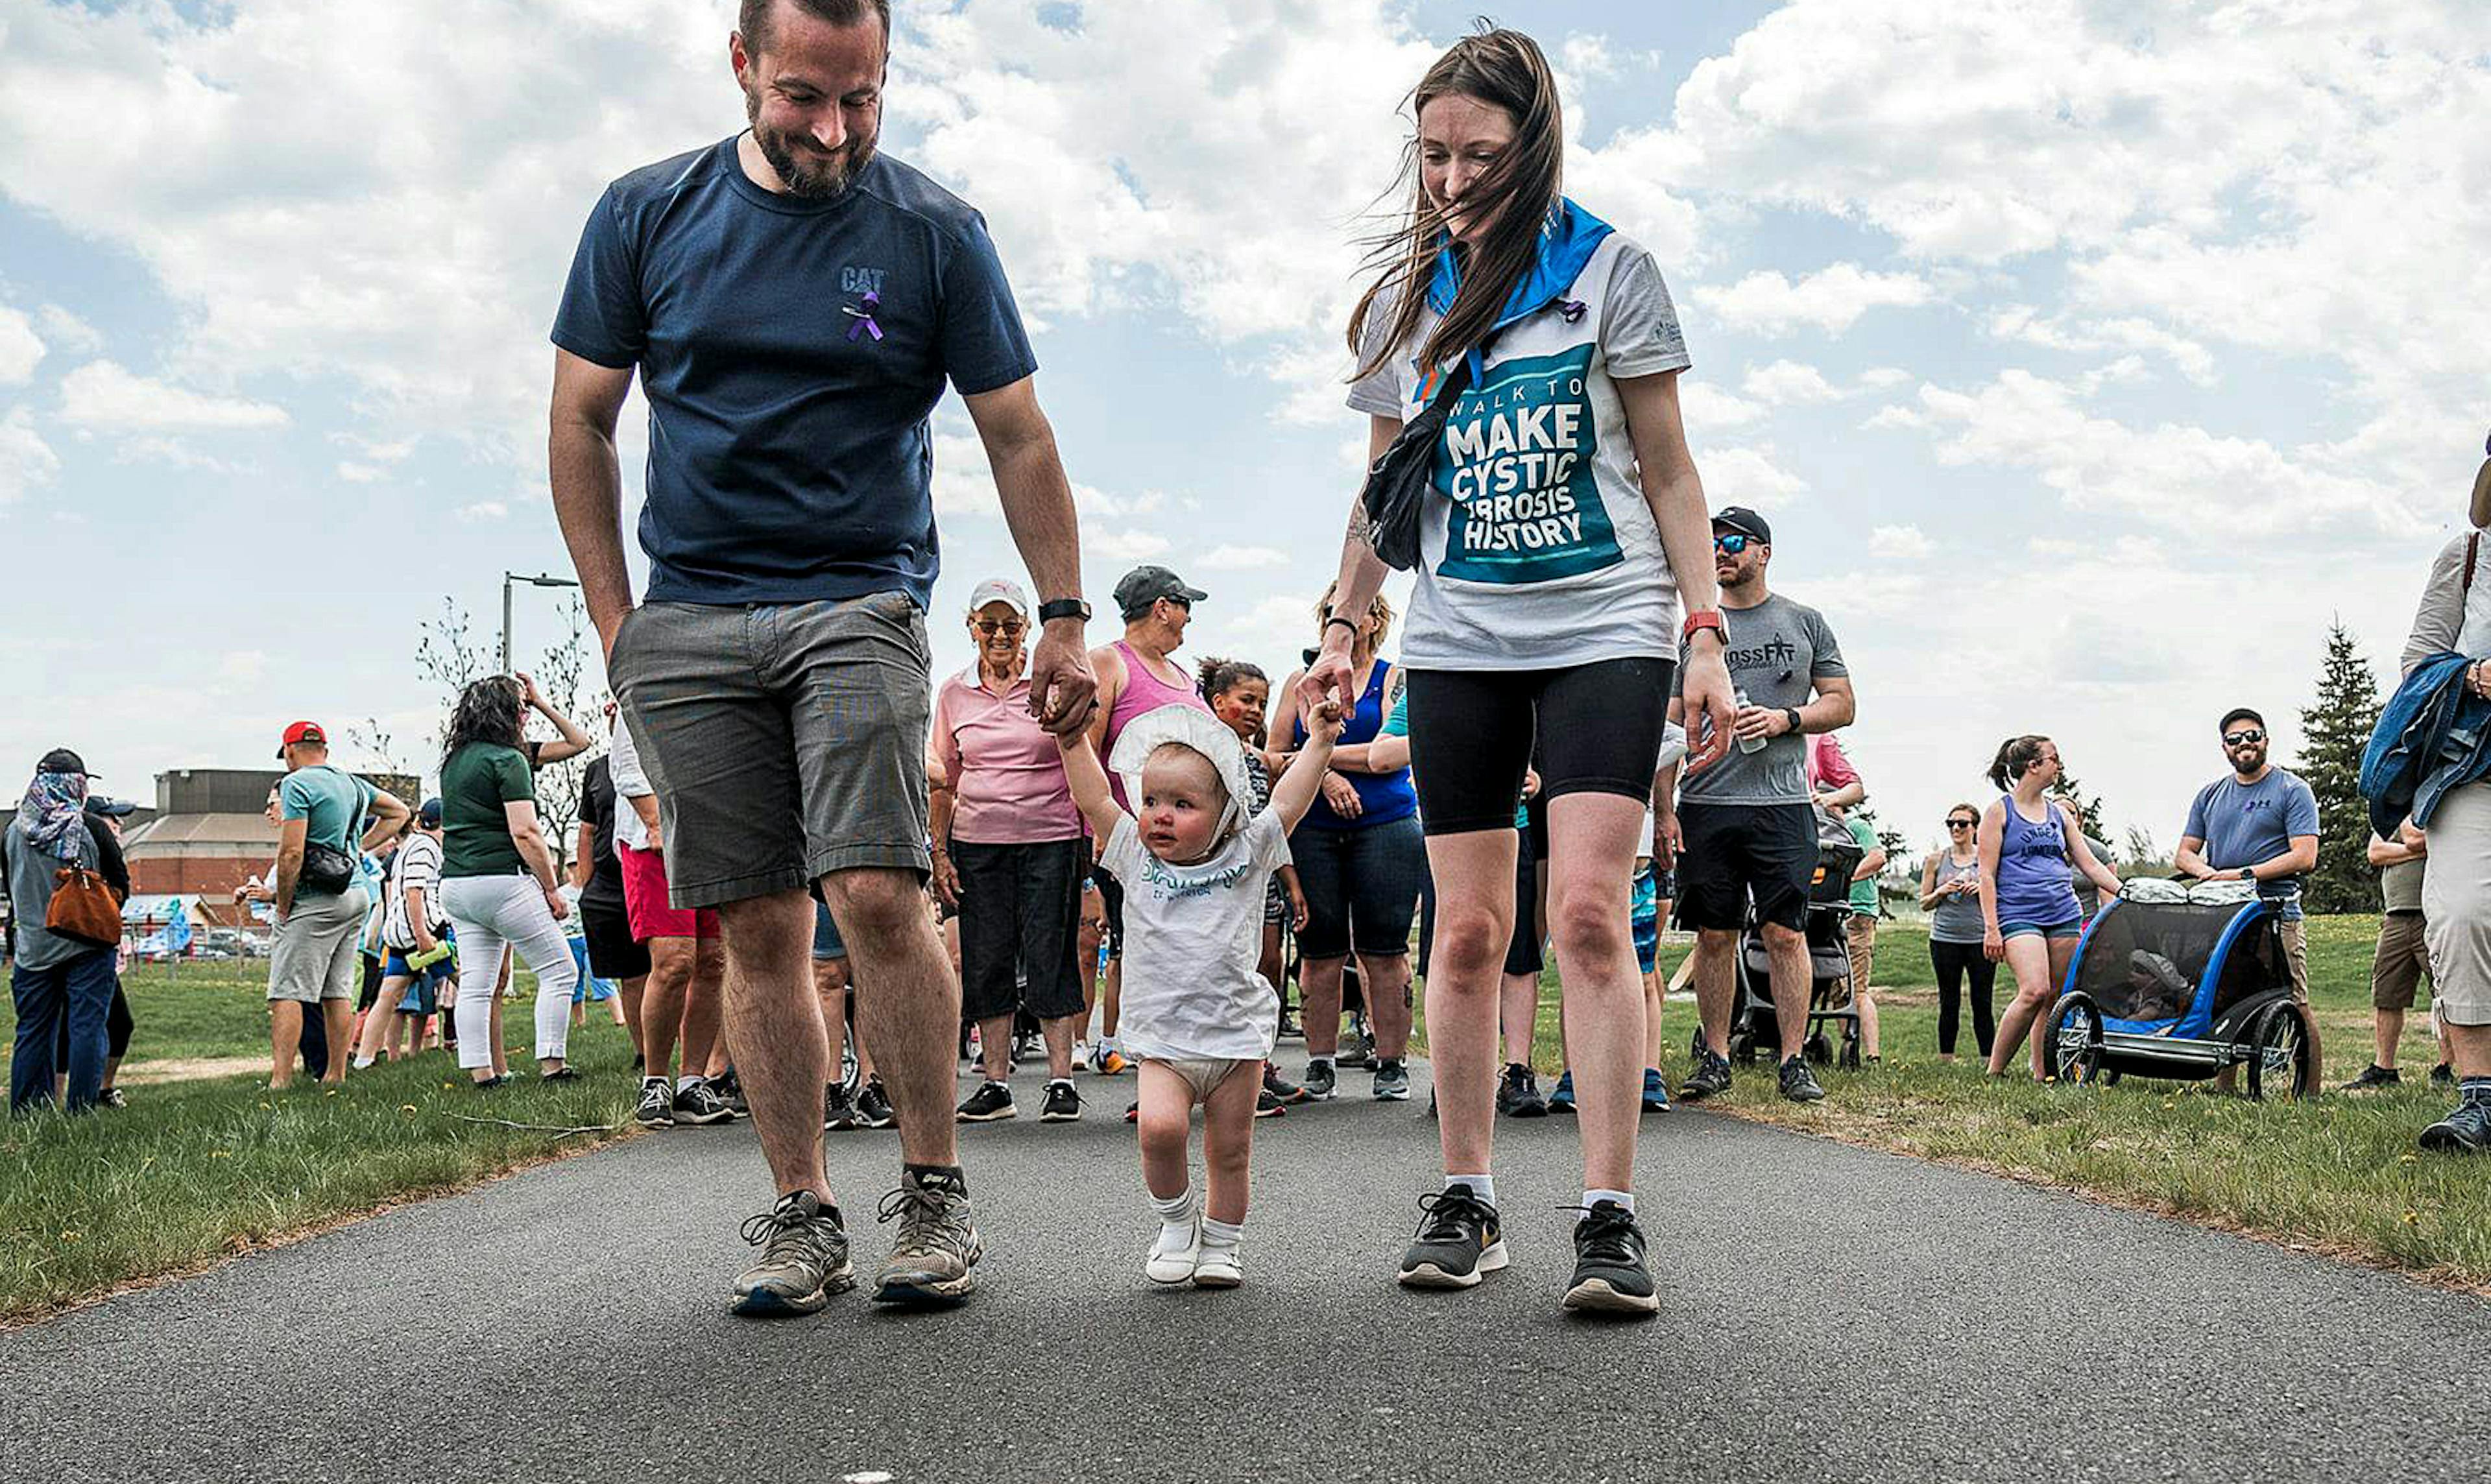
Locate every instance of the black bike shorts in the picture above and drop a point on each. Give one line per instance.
(1597, 728)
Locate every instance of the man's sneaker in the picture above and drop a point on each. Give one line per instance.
(2373, 1078)
(1609, 1275)
(657, 1107)
(873, 1106)
(699, 1102)
(991, 1103)
(1281, 1088)
(839, 1111)
(1173, 1254)
(1656, 1091)
(1290, 1029)
(1391, 1081)
(1561, 1097)
(1799, 1081)
(2443, 1076)
(936, 1248)
(730, 1092)
(1104, 1061)
(1711, 1075)
(1063, 1105)
(1322, 1084)
(2465, 1131)
(1518, 1093)
(1358, 1045)
(1458, 1240)
(803, 1258)
(1268, 1106)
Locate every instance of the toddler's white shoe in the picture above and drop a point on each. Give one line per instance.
(1218, 1267)
(1173, 1256)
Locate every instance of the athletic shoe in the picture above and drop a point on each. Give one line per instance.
(2465, 1131)
(1656, 1091)
(1609, 1273)
(1391, 1081)
(1027, 1048)
(657, 1109)
(111, 1097)
(1281, 1088)
(1561, 1097)
(730, 1092)
(1799, 1081)
(804, 1259)
(563, 1073)
(1105, 1062)
(1218, 1267)
(494, 1084)
(1063, 1105)
(2443, 1076)
(839, 1111)
(936, 1249)
(699, 1102)
(2373, 1078)
(1358, 1045)
(1458, 1240)
(1290, 1029)
(1322, 1084)
(991, 1103)
(1518, 1093)
(1173, 1253)
(1267, 1106)
(1133, 1112)
(1711, 1075)
(873, 1106)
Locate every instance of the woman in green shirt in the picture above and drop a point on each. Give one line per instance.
(498, 883)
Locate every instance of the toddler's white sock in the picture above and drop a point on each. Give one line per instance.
(1221, 1236)
(1176, 1216)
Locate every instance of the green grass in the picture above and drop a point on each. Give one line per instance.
(2338, 1175)
(199, 1011)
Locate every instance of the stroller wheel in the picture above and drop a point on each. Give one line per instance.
(2279, 1041)
(1817, 1049)
(2073, 1044)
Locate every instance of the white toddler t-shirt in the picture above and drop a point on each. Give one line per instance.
(1193, 936)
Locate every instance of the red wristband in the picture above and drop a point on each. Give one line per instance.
(1703, 618)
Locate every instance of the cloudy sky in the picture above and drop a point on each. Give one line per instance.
(2089, 357)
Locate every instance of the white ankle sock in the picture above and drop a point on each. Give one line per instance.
(1481, 1186)
(1176, 1211)
(1623, 1199)
(1220, 1235)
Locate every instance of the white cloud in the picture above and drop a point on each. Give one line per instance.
(1704, 404)
(1131, 544)
(25, 460)
(1232, 559)
(160, 449)
(1784, 383)
(64, 332)
(1744, 476)
(360, 474)
(483, 510)
(1898, 543)
(242, 667)
(1830, 300)
(19, 347)
(104, 395)
(2026, 324)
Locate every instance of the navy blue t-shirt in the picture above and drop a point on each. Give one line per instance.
(789, 456)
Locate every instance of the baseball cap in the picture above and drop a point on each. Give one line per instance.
(117, 808)
(429, 811)
(1147, 584)
(302, 732)
(62, 760)
(1000, 589)
(1745, 521)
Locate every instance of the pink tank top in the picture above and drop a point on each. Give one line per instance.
(1144, 692)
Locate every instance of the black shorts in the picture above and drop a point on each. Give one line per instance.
(1021, 924)
(1734, 852)
(613, 953)
(1598, 730)
(1522, 951)
(1111, 896)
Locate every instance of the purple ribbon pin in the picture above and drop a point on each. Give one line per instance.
(863, 317)
(1572, 310)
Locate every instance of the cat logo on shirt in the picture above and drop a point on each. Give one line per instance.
(1515, 463)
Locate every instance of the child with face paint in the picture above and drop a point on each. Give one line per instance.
(1196, 867)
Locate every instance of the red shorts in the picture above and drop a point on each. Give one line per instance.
(644, 899)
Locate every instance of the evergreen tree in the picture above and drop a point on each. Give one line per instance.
(2089, 808)
(2333, 731)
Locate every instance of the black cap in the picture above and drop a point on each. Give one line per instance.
(429, 812)
(61, 760)
(117, 808)
(1146, 585)
(1745, 521)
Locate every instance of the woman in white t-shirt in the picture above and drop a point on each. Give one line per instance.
(1563, 526)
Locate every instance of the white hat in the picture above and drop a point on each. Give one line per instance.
(1193, 727)
(1000, 589)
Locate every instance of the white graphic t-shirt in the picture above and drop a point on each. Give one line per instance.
(1193, 936)
(1538, 551)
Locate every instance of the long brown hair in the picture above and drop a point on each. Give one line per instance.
(1506, 70)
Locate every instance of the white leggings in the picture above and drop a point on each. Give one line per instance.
(489, 911)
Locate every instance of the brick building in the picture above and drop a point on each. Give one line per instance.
(209, 836)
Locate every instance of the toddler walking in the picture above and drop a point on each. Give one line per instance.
(1196, 1013)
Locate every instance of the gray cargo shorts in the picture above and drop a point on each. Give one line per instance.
(785, 741)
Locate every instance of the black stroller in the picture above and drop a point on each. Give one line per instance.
(1832, 1008)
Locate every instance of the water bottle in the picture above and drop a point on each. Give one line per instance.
(1747, 744)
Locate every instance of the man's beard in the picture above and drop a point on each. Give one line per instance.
(805, 170)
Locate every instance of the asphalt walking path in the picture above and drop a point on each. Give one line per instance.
(1827, 1313)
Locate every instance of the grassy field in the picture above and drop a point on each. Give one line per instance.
(2338, 1175)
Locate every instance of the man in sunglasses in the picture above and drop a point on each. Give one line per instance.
(2260, 824)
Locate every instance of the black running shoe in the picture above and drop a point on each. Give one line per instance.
(2373, 1078)
(873, 1106)
(1268, 1106)
(2467, 1130)
(1063, 1105)
(1391, 1081)
(839, 1111)
(1609, 1275)
(698, 1103)
(1518, 1093)
(1281, 1088)
(2443, 1076)
(991, 1103)
(1322, 1084)
(730, 1092)
(1357, 1044)
(657, 1105)
(1458, 1240)
(1711, 1075)
(1799, 1081)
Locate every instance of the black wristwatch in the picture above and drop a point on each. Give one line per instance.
(1063, 608)
(1789, 714)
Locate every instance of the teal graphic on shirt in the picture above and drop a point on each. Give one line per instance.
(1515, 462)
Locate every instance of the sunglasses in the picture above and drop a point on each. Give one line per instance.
(1731, 545)
(2242, 735)
(1961, 824)
(992, 627)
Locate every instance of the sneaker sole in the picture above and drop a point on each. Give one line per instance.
(1816, 1096)
(1173, 1280)
(1560, 1109)
(1073, 1116)
(1221, 1280)
(1491, 1259)
(2447, 1141)
(996, 1116)
(1655, 1106)
(1392, 1096)
(769, 1303)
(1599, 1295)
(926, 1292)
(705, 1120)
(667, 1121)
(1525, 1112)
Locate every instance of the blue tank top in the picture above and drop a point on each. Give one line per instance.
(2033, 870)
(1383, 796)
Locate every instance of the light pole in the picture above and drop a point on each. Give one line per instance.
(510, 580)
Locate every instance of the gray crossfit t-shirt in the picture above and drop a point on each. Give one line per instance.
(1777, 650)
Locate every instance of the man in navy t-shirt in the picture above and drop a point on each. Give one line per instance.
(795, 305)
(2260, 824)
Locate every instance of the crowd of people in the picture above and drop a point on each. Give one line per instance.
(800, 856)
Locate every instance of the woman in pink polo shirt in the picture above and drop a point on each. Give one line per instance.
(1010, 856)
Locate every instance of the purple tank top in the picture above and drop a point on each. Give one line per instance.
(2033, 870)
(1144, 692)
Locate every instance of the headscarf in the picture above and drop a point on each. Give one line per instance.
(52, 815)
